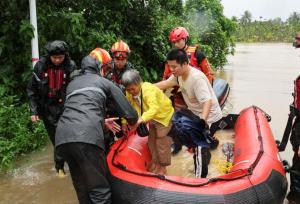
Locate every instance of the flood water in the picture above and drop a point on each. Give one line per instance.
(258, 74)
(263, 75)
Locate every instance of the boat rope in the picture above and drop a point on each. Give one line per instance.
(269, 118)
(259, 137)
(245, 172)
(261, 148)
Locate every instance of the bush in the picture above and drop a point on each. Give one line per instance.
(18, 135)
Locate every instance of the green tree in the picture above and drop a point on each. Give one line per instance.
(15, 35)
(273, 30)
(294, 22)
(294, 18)
(211, 29)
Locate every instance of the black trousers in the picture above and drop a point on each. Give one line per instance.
(89, 172)
(50, 125)
(201, 158)
(294, 194)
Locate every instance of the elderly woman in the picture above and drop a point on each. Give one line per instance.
(155, 107)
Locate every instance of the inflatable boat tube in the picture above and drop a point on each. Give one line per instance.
(257, 175)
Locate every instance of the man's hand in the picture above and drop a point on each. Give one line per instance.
(298, 151)
(34, 118)
(204, 124)
(112, 125)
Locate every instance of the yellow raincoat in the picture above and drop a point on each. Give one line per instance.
(156, 105)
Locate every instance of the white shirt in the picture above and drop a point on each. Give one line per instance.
(196, 90)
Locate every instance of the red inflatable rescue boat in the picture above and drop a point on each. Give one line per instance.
(257, 175)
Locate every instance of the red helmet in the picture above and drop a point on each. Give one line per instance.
(297, 41)
(101, 55)
(178, 33)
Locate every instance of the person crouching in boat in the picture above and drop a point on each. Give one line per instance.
(203, 112)
(155, 107)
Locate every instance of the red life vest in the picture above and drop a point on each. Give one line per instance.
(297, 93)
(57, 81)
(116, 79)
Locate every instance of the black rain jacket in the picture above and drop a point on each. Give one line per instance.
(85, 108)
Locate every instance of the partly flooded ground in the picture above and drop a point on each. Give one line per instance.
(258, 74)
(35, 181)
(183, 164)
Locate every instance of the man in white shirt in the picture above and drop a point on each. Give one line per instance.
(203, 108)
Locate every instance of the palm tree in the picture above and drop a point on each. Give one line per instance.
(294, 18)
(246, 18)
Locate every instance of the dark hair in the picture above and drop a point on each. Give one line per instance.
(179, 55)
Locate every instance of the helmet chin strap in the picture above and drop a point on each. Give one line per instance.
(185, 45)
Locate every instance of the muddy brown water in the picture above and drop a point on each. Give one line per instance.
(258, 74)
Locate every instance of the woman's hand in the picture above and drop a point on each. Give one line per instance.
(134, 127)
(125, 129)
(110, 123)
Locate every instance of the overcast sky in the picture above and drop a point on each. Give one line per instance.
(268, 9)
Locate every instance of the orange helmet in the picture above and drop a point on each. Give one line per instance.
(120, 50)
(101, 55)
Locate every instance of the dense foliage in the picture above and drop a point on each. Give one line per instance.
(87, 24)
(274, 30)
(17, 134)
(211, 29)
